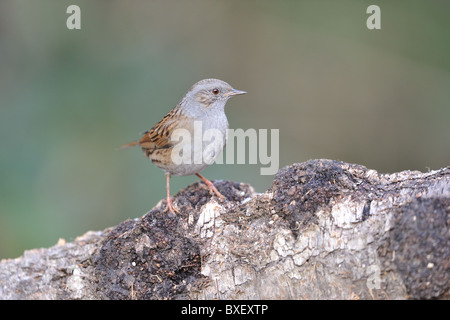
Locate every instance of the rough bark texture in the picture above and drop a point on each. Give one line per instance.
(324, 230)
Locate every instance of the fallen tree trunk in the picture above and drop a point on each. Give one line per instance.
(324, 230)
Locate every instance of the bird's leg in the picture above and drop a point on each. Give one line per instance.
(211, 187)
(170, 205)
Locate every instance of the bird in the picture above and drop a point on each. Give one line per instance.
(169, 144)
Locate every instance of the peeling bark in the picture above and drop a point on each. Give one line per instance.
(323, 230)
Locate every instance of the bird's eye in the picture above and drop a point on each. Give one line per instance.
(215, 91)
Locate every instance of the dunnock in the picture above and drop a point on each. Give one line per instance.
(203, 104)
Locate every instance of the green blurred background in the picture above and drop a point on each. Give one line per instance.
(311, 69)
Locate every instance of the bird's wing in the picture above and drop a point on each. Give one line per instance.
(159, 137)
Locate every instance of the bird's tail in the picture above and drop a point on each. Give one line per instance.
(131, 144)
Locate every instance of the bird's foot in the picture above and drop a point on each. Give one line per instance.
(171, 207)
(212, 189)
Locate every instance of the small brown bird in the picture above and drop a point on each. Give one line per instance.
(201, 109)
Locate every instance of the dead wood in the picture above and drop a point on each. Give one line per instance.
(323, 230)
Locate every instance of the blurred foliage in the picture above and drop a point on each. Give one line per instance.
(311, 68)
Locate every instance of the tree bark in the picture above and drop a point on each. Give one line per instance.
(323, 230)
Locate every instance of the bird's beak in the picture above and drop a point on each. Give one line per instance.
(234, 92)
